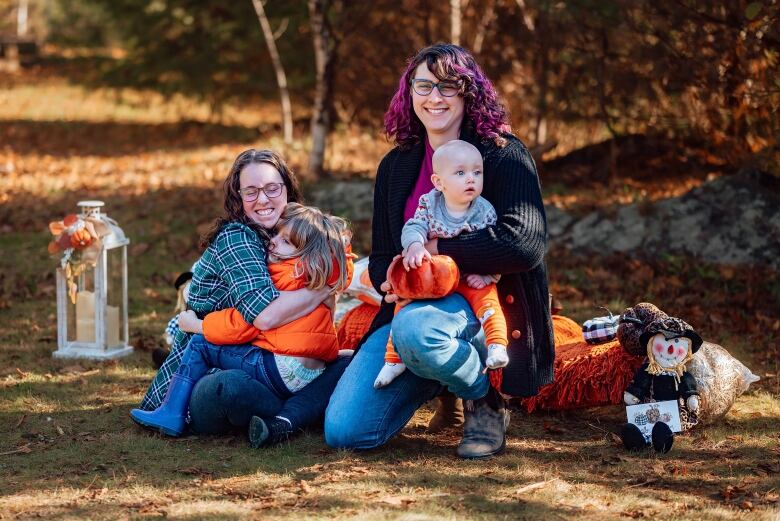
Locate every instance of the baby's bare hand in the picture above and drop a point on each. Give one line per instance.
(476, 281)
(415, 255)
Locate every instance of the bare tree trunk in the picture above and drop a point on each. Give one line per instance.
(484, 23)
(281, 77)
(21, 19)
(542, 74)
(455, 21)
(601, 80)
(323, 59)
(528, 20)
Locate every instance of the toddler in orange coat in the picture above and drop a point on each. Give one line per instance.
(309, 340)
(309, 250)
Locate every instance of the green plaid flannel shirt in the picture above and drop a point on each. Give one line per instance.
(231, 273)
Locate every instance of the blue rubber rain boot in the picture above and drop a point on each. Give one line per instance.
(170, 417)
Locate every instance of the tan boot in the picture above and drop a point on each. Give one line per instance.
(449, 413)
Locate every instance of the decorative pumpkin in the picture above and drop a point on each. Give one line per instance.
(436, 278)
(81, 238)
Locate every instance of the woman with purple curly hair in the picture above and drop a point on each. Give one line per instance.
(443, 95)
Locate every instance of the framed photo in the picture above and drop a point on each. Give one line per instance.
(646, 415)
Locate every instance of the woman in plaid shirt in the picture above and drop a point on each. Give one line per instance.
(232, 272)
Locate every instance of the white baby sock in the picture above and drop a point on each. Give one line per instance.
(389, 372)
(497, 356)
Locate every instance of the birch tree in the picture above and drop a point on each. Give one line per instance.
(455, 21)
(323, 60)
(281, 77)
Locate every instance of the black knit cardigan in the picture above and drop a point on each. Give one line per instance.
(513, 247)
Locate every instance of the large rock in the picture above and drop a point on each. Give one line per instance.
(353, 199)
(731, 220)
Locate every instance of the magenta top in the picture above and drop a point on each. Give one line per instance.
(423, 184)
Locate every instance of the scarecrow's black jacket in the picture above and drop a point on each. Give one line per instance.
(661, 387)
(514, 247)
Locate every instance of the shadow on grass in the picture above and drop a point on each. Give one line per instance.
(89, 443)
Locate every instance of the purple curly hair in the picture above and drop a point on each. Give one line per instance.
(483, 111)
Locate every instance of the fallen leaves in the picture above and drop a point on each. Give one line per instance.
(741, 496)
(614, 459)
(553, 428)
(397, 501)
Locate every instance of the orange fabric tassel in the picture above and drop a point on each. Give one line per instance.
(496, 376)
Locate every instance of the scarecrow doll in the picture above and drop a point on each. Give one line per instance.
(669, 344)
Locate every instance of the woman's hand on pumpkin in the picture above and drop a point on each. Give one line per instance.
(189, 322)
(390, 297)
(414, 256)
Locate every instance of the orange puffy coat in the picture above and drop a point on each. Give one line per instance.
(311, 336)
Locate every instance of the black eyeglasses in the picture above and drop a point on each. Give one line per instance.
(425, 87)
(251, 193)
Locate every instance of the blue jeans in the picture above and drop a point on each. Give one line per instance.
(226, 400)
(441, 343)
(201, 356)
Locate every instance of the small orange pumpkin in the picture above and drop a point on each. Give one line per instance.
(81, 238)
(436, 278)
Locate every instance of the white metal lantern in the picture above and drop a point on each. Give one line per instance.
(92, 302)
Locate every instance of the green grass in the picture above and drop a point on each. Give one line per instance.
(68, 449)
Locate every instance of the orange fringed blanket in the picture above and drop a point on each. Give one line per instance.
(354, 325)
(585, 375)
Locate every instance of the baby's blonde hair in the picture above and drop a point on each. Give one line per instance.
(451, 148)
(319, 240)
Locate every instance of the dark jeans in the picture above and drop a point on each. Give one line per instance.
(201, 356)
(226, 400)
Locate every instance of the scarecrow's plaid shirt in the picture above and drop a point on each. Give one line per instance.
(232, 273)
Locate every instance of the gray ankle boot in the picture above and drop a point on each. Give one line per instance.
(484, 433)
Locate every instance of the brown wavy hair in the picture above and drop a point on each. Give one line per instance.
(234, 208)
(320, 242)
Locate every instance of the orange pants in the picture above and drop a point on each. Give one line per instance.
(486, 306)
